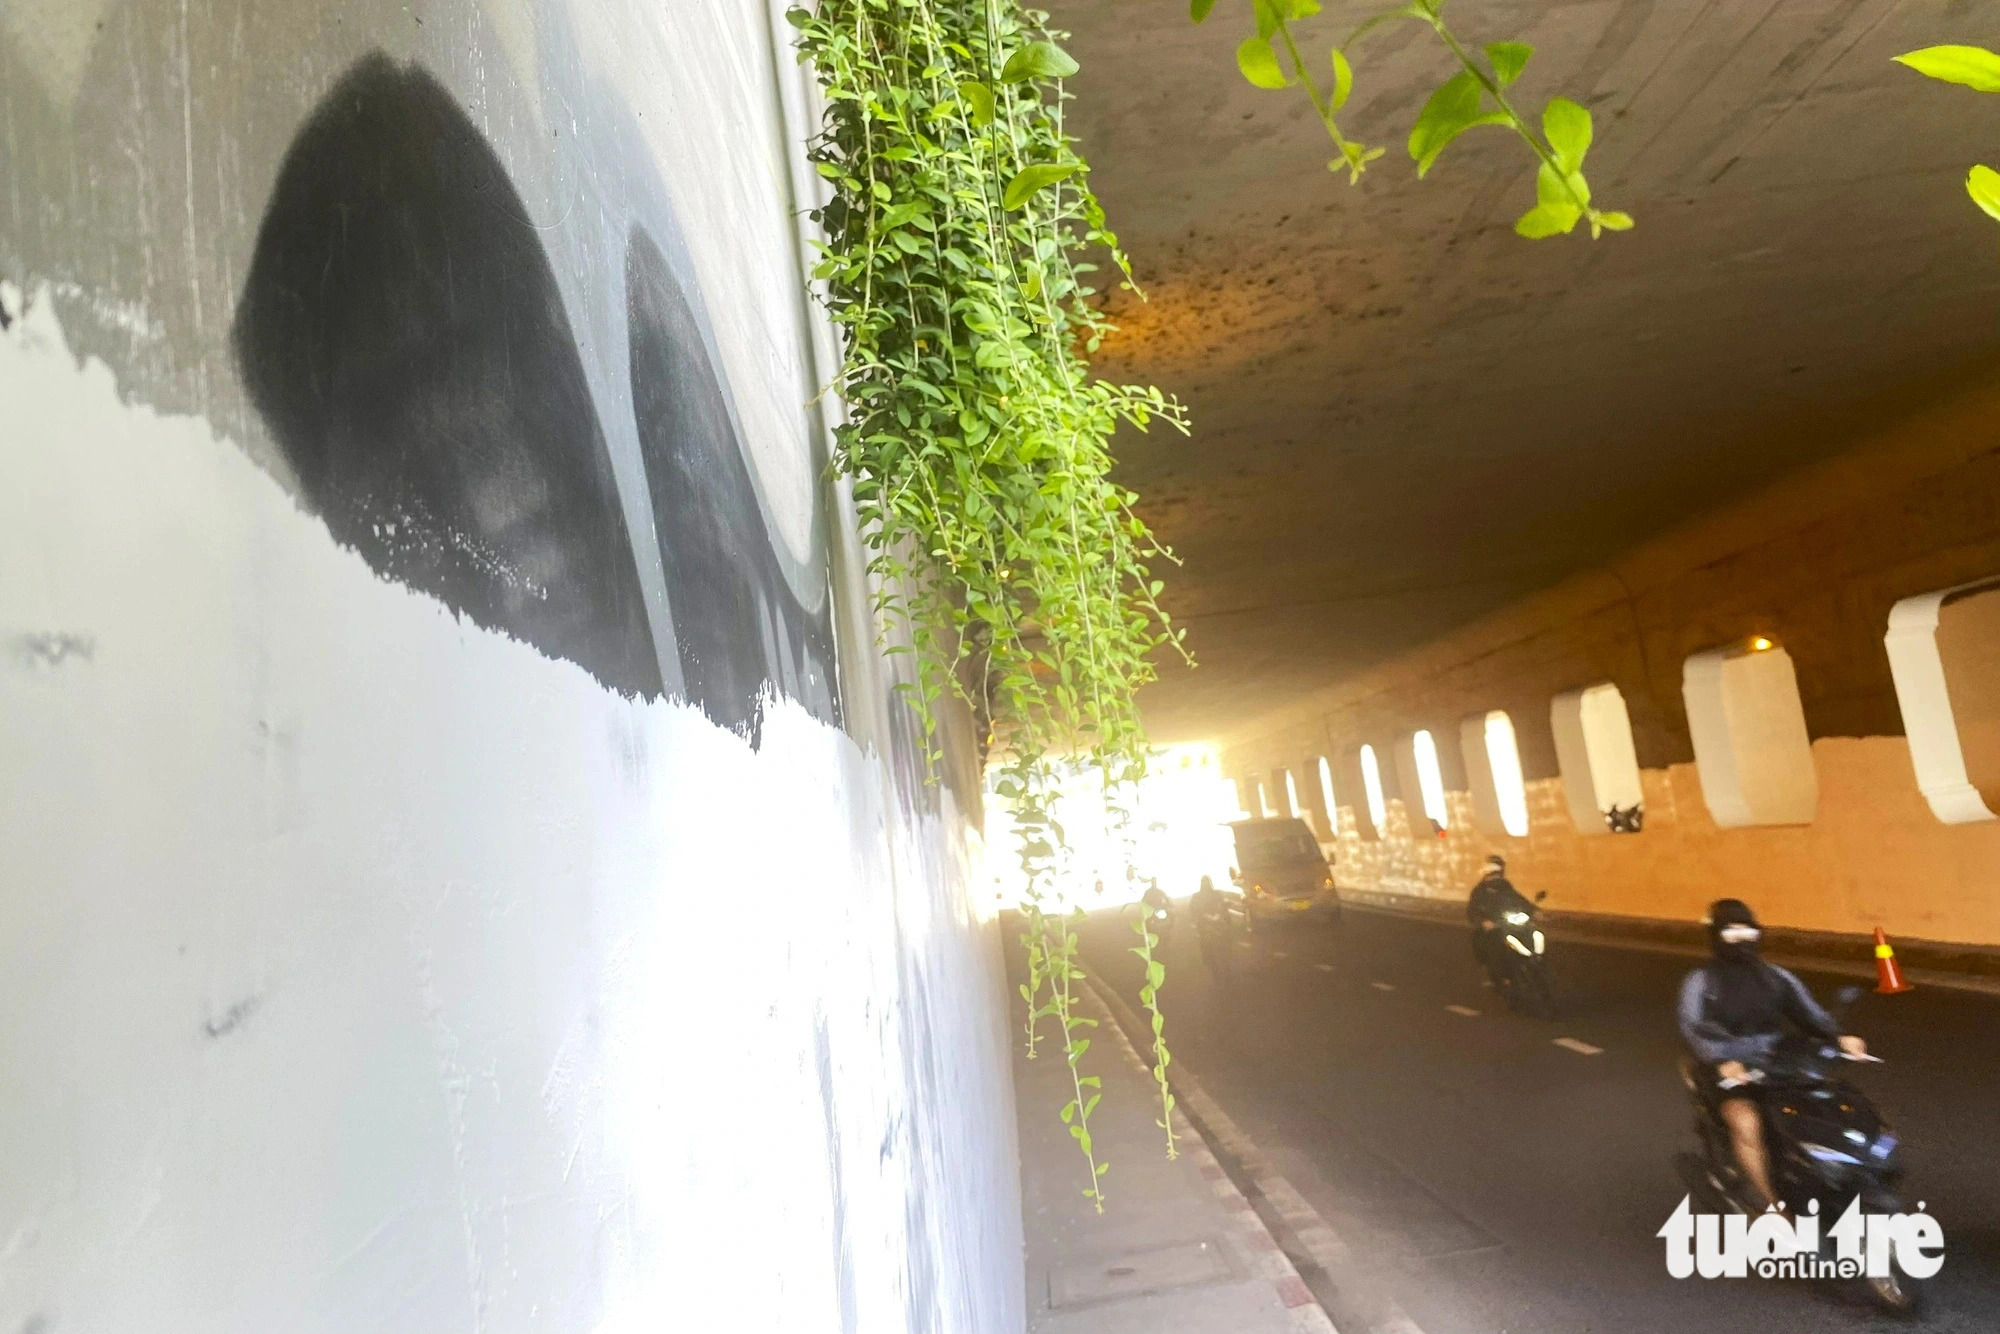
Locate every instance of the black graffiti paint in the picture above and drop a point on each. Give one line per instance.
(402, 334)
(740, 626)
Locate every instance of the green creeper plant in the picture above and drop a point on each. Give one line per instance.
(1476, 95)
(959, 247)
(1978, 69)
(1149, 996)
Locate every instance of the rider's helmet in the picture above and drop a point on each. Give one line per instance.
(1207, 884)
(1496, 865)
(1733, 929)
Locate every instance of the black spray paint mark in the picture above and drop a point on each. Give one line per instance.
(404, 338)
(741, 629)
(231, 1020)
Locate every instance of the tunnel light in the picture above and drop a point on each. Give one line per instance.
(1493, 772)
(1371, 782)
(1430, 778)
(1326, 797)
(1760, 645)
(1291, 794)
(1600, 765)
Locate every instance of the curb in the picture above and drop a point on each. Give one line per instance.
(1268, 1259)
(1312, 1252)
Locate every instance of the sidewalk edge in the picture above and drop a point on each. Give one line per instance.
(1311, 1249)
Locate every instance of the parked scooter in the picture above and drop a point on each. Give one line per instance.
(1522, 972)
(1825, 1139)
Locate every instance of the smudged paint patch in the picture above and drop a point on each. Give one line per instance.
(50, 648)
(231, 1019)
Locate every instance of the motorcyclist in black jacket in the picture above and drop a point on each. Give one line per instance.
(1491, 899)
(1733, 1010)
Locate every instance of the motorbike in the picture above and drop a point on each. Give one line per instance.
(1521, 969)
(1825, 1139)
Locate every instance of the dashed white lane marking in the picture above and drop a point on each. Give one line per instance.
(1383, 986)
(1279, 954)
(1579, 1047)
(1465, 1010)
(1324, 967)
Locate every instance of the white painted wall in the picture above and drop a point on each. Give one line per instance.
(363, 969)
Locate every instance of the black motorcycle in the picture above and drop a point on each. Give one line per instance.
(1521, 963)
(1826, 1142)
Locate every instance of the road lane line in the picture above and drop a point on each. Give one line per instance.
(1279, 954)
(1324, 967)
(1383, 986)
(1465, 1010)
(1580, 1048)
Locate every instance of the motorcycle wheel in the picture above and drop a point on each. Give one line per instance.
(1538, 997)
(1896, 1292)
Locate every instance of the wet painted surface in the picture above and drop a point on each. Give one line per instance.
(423, 788)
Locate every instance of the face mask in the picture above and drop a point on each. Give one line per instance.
(1736, 944)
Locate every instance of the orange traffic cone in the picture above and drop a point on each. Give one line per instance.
(1889, 972)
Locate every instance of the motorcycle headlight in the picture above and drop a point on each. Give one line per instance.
(1884, 1145)
(1820, 1153)
(1514, 944)
(1517, 918)
(1538, 942)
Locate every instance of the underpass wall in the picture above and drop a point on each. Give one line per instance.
(1815, 562)
(462, 864)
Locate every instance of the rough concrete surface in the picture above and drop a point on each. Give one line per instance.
(1405, 415)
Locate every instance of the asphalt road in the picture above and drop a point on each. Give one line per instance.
(1495, 1182)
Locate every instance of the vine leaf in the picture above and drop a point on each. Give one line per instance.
(1030, 179)
(1509, 58)
(1543, 221)
(1038, 60)
(1343, 80)
(1452, 110)
(1555, 212)
(1983, 184)
(1198, 10)
(1568, 127)
(1973, 66)
(1259, 64)
(978, 101)
(1268, 18)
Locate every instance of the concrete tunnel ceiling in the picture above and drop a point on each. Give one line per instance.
(1405, 415)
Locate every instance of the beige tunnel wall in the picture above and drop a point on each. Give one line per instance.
(1815, 562)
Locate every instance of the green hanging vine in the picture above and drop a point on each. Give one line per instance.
(1976, 68)
(960, 244)
(1476, 95)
